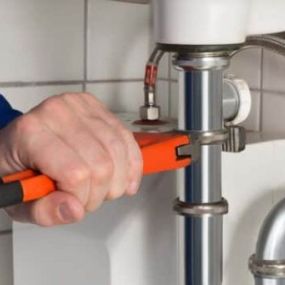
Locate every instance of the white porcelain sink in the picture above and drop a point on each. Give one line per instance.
(204, 22)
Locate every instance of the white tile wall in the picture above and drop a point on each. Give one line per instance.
(44, 41)
(41, 40)
(128, 96)
(119, 39)
(25, 98)
(120, 96)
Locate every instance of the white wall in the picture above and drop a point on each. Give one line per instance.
(49, 47)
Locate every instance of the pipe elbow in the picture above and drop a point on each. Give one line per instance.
(271, 240)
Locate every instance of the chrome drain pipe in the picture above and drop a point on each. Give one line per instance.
(268, 263)
(201, 186)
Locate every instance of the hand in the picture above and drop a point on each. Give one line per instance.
(77, 142)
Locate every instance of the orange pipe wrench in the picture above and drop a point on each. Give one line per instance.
(160, 152)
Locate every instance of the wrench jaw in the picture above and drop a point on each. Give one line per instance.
(159, 151)
(189, 151)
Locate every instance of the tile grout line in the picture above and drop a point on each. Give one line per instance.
(15, 84)
(261, 91)
(64, 82)
(85, 44)
(167, 79)
(169, 86)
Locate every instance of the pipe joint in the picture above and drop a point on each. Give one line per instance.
(201, 209)
(268, 269)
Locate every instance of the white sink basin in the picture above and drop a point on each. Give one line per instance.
(204, 22)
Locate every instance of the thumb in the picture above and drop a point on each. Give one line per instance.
(57, 208)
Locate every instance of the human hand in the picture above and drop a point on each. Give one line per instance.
(82, 146)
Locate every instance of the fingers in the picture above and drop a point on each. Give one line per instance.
(46, 152)
(105, 145)
(133, 153)
(77, 142)
(135, 162)
(57, 208)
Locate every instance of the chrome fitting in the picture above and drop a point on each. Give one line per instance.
(267, 268)
(199, 138)
(201, 209)
(209, 137)
(202, 61)
(150, 113)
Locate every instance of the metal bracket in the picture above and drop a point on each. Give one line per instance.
(201, 209)
(267, 268)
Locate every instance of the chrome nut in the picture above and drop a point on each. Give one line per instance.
(150, 113)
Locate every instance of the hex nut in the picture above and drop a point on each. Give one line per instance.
(150, 113)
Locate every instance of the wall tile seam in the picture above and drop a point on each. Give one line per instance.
(168, 80)
(169, 99)
(267, 91)
(261, 91)
(15, 84)
(85, 43)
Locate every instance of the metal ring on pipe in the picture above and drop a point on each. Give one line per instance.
(267, 268)
(210, 137)
(207, 137)
(201, 209)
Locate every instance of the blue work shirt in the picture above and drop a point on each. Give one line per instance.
(7, 113)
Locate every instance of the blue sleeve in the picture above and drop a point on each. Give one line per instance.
(7, 113)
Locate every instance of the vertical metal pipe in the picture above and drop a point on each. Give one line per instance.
(203, 112)
(203, 89)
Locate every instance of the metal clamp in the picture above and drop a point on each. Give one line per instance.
(267, 268)
(200, 209)
(210, 137)
(198, 139)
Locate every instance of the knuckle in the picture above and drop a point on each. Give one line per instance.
(124, 131)
(91, 98)
(88, 96)
(104, 171)
(27, 124)
(115, 194)
(70, 96)
(51, 105)
(37, 218)
(117, 146)
(74, 97)
(77, 175)
(137, 168)
(93, 205)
